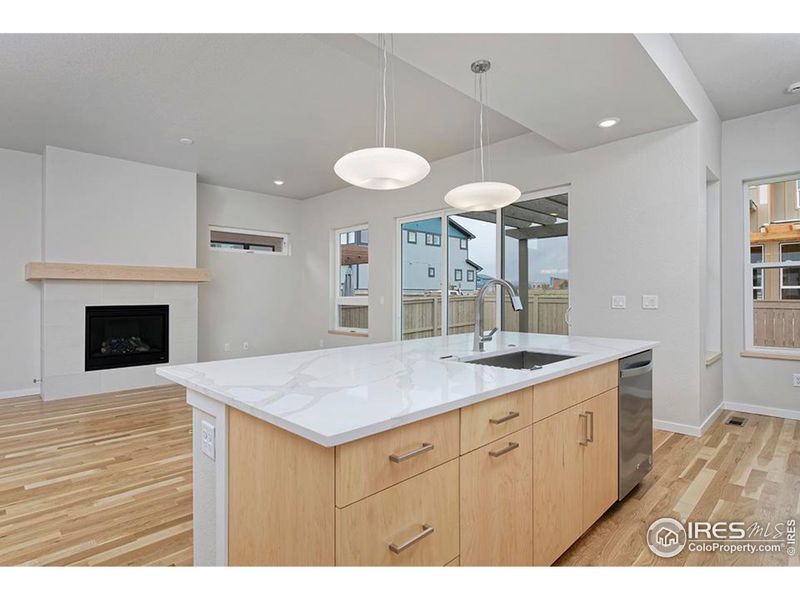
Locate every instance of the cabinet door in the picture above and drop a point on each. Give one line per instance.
(557, 484)
(497, 503)
(599, 456)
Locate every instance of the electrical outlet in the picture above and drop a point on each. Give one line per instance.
(208, 440)
(617, 301)
(649, 301)
(246, 346)
(322, 343)
(227, 347)
(796, 380)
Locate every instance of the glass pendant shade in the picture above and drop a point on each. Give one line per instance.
(482, 195)
(382, 168)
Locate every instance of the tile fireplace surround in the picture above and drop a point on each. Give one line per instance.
(63, 329)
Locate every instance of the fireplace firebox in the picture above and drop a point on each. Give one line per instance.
(126, 336)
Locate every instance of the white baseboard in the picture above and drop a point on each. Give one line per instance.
(769, 411)
(34, 391)
(692, 430)
(711, 418)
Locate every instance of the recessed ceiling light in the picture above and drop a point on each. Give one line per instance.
(186, 141)
(608, 122)
(278, 182)
(793, 88)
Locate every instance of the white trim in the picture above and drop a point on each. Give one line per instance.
(711, 418)
(769, 411)
(34, 391)
(218, 410)
(692, 430)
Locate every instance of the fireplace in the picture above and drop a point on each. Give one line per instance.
(126, 336)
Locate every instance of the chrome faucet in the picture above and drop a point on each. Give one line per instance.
(516, 304)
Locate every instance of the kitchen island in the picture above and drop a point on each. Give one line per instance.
(402, 453)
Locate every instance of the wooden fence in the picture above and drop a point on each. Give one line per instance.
(776, 323)
(422, 314)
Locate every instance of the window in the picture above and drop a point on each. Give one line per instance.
(411, 236)
(459, 275)
(431, 271)
(462, 243)
(351, 280)
(772, 269)
(470, 275)
(432, 239)
(790, 276)
(757, 256)
(248, 241)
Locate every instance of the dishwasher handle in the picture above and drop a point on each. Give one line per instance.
(638, 369)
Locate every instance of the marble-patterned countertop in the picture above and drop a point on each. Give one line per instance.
(338, 395)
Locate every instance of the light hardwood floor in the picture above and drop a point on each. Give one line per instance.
(101, 480)
(107, 480)
(749, 473)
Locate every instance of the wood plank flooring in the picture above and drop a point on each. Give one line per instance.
(107, 480)
(100, 480)
(749, 473)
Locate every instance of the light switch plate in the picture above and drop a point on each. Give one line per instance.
(649, 301)
(617, 301)
(208, 440)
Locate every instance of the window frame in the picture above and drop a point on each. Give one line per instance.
(409, 234)
(470, 275)
(337, 300)
(431, 272)
(782, 286)
(285, 251)
(458, 275)
(462, 244)
(760, 287)
(749, 330)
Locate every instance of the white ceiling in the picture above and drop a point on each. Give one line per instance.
(259, 107)
(285, 106)
(742, 73)
(558, 85)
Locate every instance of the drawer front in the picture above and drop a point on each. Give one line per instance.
(372, 464)
(556, 395)
(490, 420)
(414, 523)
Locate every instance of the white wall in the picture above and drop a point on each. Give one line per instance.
(633, 231)
(105, 210)
(251, 298)
(762, 145)
(20, 231)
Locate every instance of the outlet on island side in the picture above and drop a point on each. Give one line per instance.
(208, 440)
(796, 379)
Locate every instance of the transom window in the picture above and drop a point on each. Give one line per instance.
(248, 241)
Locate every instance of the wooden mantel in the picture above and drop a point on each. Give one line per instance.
(37, 271)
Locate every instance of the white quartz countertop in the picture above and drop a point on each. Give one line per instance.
(338, 395)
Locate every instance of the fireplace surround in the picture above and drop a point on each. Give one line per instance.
(126, 336)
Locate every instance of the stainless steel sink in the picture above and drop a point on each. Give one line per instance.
(520, 359)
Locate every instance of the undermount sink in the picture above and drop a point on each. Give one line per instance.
(520, 359)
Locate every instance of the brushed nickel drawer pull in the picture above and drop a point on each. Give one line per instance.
(590, 424)
(497, 420)
(511, 446)
(398, 458)
(398, 548)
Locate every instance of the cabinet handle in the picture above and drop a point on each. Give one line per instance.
(590, 423)
(398, 458)
(398, 548)
(585, 418)
(497, 420)
(511, 446)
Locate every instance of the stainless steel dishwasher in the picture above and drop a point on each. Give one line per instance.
(635, 420)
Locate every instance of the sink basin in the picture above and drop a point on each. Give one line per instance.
(521, 359)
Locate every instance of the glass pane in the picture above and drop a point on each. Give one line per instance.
(790, 252)
(791, 277)
(536, 261)
(353, 317)
(776, 309)
(421, 281)
(354, 264)
(472, 256)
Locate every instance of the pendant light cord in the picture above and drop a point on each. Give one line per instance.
(480, 91)
(385, 62)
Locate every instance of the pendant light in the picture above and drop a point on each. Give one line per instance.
(482, 195)
(382, 167)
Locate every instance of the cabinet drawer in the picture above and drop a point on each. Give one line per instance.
(413, 523)
(375, 463)
(556, 395)
(492, 419)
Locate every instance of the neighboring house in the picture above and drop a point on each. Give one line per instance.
(422, 256)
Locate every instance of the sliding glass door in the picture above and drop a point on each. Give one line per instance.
(421, 277)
